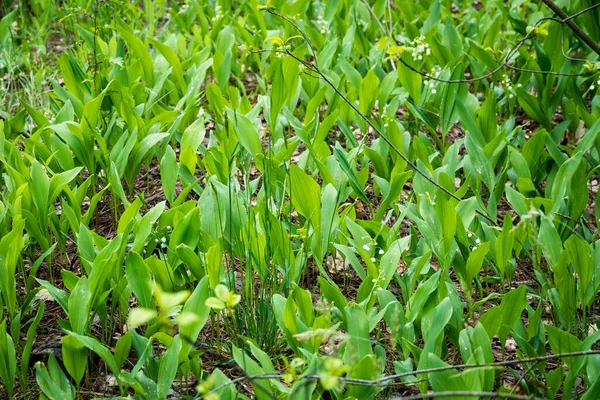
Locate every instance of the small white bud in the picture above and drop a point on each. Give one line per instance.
(164, 240)
(420, 57)
(433, 91)
(366, 247)
(381, 251)
(372, 259)
(477, 241)
(592, 87)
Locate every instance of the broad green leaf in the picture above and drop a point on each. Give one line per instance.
(8, 359)
(305, 194)
(168, 368)
(139, 279)
(139, 50)
(75, 357)
(79, 301)
(94, 345)
(168, 173)
(48, 385)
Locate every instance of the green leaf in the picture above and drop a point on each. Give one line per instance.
(340, 156)
(41, 183)
(195, 304)
(115, 182)
(410, 80)
(278, 94)
(94, 345)
(79, 302)
(8, 359)
(173, 61)
(583, 261)
(440, 318)
(139, 279)
(123, 348)
(168, 173)
(262, 389)
(75, 357)
(58, 181)
(49, 387)
(358, 343)
(561, 184)
(128, 218)
(369, 87)
(512, 305)
(532, 107)
(564, 342)
(450, 92)
(139, 51)
(305, 194)
(328, 219)
(475, 261)
(333, 294)
(549, 241)
(168, 368)
(140, 316)
(247, 134)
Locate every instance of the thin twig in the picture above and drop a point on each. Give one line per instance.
(313, 66)
(463, 393)
(391, 380)
(382, 27)
(574, 27)
(523, 375)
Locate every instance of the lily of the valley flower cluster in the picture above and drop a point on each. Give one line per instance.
(217, 13)
(507, 83)
(435, 72)
(420, 47)
(323, 25)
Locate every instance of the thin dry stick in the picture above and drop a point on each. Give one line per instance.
(381, 26)
(523, 375)
(439, 395)
(390, 380)
(506, 63)
(315, 69)
(574, 27)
